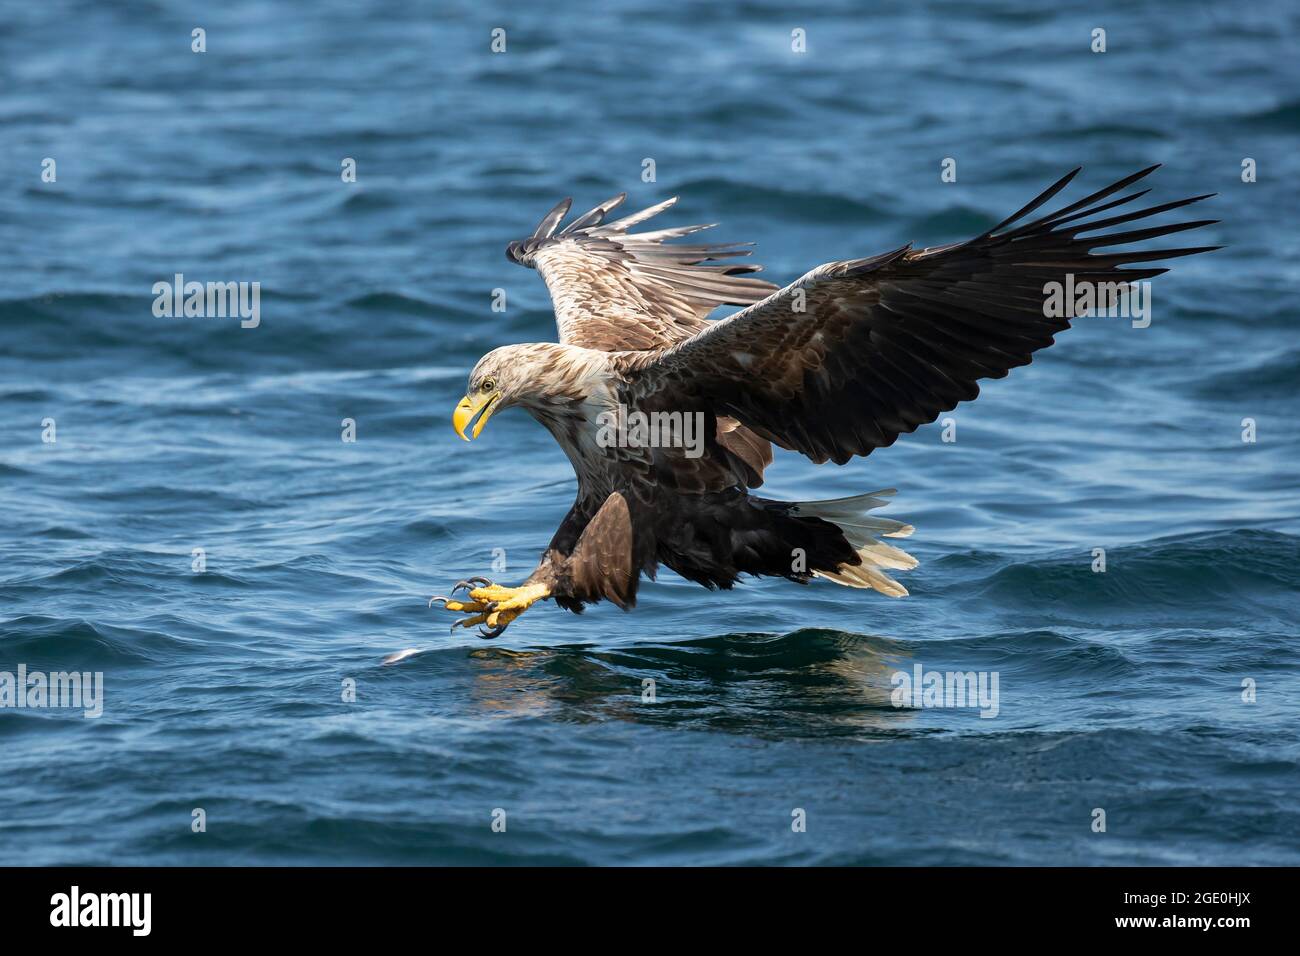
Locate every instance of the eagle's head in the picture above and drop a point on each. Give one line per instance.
(544, 378)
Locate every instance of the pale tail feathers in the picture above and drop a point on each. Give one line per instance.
(864, 531)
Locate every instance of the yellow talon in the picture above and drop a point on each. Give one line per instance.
(508, 599)
(471, 621)
(495, 605)
(482, 595)
(464, 606)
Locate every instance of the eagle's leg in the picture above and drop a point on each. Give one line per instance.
(589, 559)
(493, 605)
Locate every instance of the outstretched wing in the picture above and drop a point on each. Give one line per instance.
(616, 290)
(856, 353)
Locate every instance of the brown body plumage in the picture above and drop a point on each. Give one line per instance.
(839, 363)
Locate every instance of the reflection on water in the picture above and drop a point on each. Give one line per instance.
(806, 683)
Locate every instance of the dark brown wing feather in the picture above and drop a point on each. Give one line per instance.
(602, 565)
(598, 557)
(886, 344)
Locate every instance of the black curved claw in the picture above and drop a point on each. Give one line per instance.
(481, 582)
(439, 597)
(495, 632)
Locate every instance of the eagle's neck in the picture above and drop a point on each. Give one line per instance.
(581, 388)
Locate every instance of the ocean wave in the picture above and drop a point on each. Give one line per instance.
(1210, 570)
(79, 644)
(1284, 116)
(395, 302)
(1270, 378)
(1040, 654)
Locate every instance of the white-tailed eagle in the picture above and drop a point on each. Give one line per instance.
(667, 417)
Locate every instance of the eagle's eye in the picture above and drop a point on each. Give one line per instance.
(489, 385)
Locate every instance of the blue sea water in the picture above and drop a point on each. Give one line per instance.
(224, 689)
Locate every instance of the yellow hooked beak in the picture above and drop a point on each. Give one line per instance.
(468, 408)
